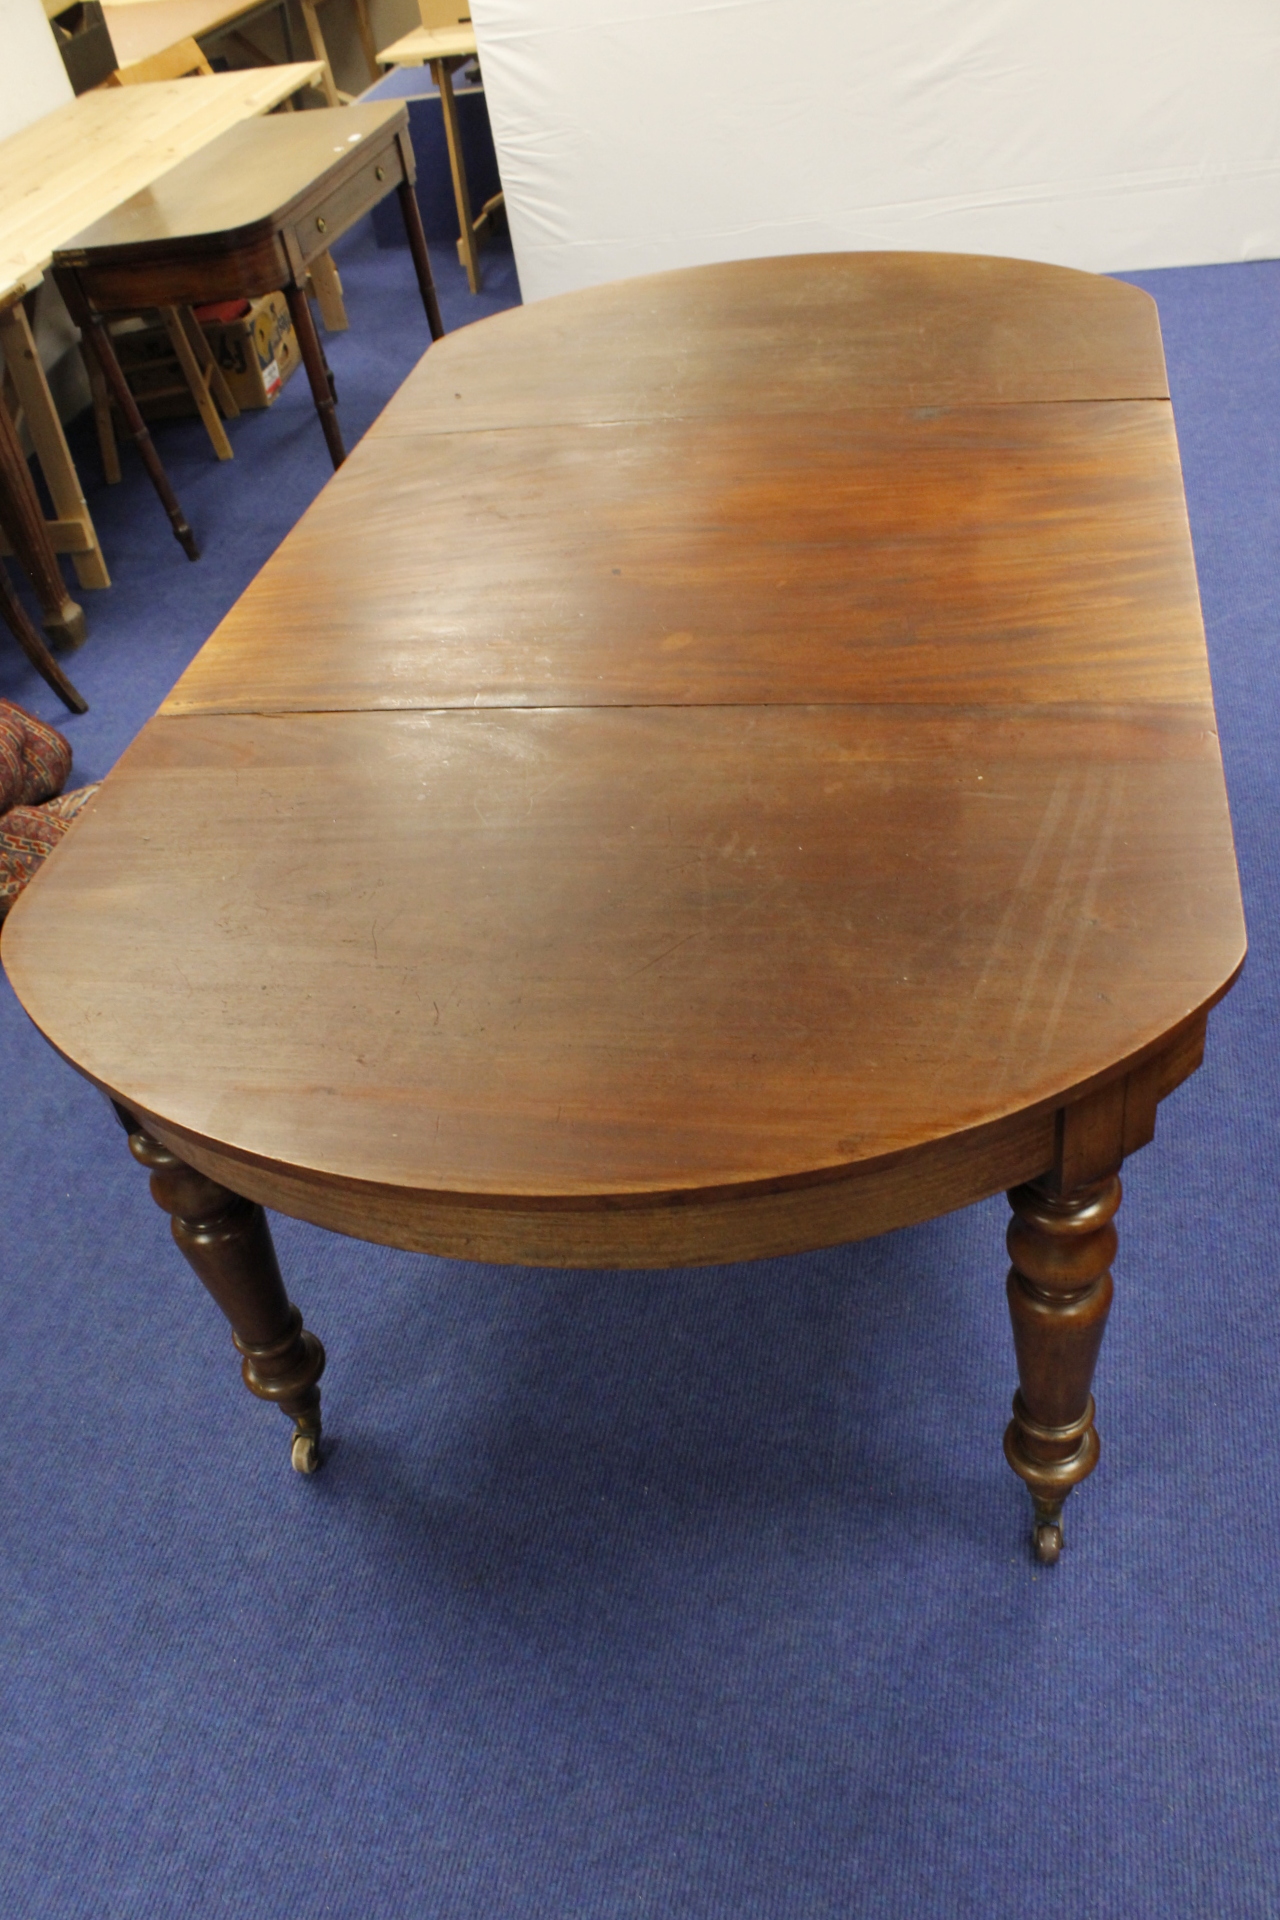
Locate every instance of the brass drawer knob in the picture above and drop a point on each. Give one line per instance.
(322, 223)
(379, 173)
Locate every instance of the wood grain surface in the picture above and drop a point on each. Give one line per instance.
(1027, 555)
(689, 827)
(250, 176)
(422, 45)
(141, 28)
(791, 933)
(797, 334)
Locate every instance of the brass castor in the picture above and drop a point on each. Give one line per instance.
(1047, 1540)
(1046, 1530)
(305, 1451)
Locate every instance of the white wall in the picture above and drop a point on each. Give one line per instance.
(1108, 134)
(33, 79)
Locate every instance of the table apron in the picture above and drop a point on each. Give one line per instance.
(189, 278)
(192, 272)
(1114, 1117)
(700, 1230)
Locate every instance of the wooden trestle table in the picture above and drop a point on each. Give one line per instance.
(142, 29)
(728, 766)
(443, 49)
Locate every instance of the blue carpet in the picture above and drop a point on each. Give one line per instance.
(702, 1595)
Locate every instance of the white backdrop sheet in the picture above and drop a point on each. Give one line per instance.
(33, 79)
(1104, 134)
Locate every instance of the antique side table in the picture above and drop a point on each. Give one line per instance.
(727, 767)
(246, 216)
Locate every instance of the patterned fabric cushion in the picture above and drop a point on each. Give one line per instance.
(34, 759)
(34, 762)
(66, 806)
(27, 834)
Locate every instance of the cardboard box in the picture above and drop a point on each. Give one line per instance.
(256, 349)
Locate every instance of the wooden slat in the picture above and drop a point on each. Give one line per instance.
(71, 530)
(1015, 554)
(424, 44)
(142, 28)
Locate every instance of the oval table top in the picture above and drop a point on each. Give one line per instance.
(724, 763)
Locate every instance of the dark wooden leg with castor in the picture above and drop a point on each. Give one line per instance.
(317, 372)
(1062, 1246)
(97, 339)
(227, 1242)
(25, 529)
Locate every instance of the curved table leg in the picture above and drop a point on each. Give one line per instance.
(1061, 1246)
(227, 1243)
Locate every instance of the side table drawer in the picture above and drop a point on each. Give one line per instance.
(343, 204)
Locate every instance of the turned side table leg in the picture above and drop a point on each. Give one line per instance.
(418, 252)
(318, 375)
(95, 338)
(227, 1243)
(1061, 1246)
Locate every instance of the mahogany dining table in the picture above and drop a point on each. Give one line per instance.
(727, 767)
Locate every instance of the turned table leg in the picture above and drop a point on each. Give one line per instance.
(1061, 1246)
(421, 258)
(227, 1243)
(318, 375)
(96, 339)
